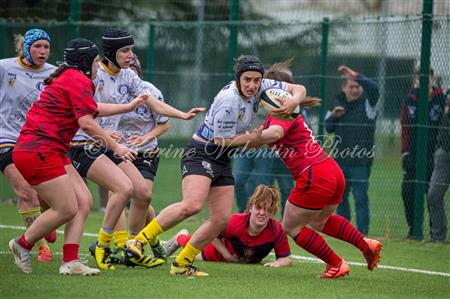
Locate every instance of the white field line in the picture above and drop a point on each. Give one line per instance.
(295, 257)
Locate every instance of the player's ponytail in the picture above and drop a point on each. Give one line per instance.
(55, 74)
(18, 42)
(280, 71)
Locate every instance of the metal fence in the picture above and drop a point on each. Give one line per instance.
(191, 61)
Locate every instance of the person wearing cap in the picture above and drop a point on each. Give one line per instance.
(21, 81)
(116, 83)
(206, 167)
(65, 105)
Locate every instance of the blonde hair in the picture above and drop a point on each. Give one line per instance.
(263, 194)
(281, 71)
(18, 41)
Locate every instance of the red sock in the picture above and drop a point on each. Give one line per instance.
(316, 245)
(70, 252)
(22, 242)
(340, 228)
(182, 240)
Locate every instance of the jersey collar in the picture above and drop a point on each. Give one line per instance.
(109, 71)
(27, 67)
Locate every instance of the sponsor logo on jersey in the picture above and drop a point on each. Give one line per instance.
(248, 252)
(12, 79)
(29, 75)
(123, 89)
(242, 114)
(100, 86)
(184, 170)
(40, 86)
(141, 110)
(207, 166)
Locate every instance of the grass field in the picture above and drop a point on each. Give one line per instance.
(233, 280)
(386, 206)
(398, 276)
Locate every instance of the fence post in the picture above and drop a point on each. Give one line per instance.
(232, 43)
(422, 125)
(74, 18)
(150, 52)
(3, 37)
(323, 75)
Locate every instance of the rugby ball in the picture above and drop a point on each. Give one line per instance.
(269, 102)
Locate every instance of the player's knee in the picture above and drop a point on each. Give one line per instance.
(189, 210)
(85, 203)
(125, 191)
(68, 212)
(143, 194)
(221, 220)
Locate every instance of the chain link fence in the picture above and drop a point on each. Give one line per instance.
(190, 62)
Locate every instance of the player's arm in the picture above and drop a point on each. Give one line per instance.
(92, 128)
(105, 109)
(267, 136)
(167, 110)
(220, 246)
(140, 140)
(279, 262)
(298, 93)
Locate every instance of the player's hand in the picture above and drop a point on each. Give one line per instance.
(138, 101)
(287, 107)
(139, 140)
(272, 265)
(124, 152)
(193, 112)
(338, 111)
(231, 258)
(117, 136)
(347, 72)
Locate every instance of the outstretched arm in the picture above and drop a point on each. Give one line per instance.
(167, 110)
(105, 109)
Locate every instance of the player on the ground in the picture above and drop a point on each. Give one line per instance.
(206, 167)
(249, 237)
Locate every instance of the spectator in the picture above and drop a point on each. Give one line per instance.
(408, 120)
(352, 117)
(440, 180)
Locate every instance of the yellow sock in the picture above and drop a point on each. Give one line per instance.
(187, 255)
(120, 237)
(104, 238)
(28, 216)
(154, 241)
(150, 232)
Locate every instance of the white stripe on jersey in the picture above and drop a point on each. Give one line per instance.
(20, 87)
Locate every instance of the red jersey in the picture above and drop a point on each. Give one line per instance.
(252, 249)
(52, 121)
(298, 148)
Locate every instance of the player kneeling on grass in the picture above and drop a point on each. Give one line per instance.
(249, 237)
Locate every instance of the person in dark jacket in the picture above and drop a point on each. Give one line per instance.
(352, 118)
(408, 119)
(440, 180)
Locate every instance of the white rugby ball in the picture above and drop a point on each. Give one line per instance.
(269, 102)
